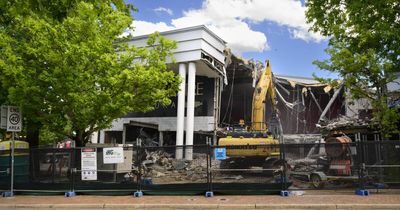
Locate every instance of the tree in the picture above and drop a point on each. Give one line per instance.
(364, 48)
(62, 63)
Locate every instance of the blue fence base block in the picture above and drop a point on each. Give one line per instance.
(379, 185)
(8, 194)
(362, 192)
(280, 179)
(285, 193)
(69, 194)
(209, 194)
(147, 181)
(138, 194)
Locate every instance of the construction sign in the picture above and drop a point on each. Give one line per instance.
(88, 164)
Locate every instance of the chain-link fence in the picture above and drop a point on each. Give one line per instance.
(336, 164)
(242, 169)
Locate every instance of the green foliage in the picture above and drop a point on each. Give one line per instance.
(59, 61)
(364, 48)
(48, 137)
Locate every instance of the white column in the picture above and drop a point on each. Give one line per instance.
(190, 110)
(102, 137)
(160, 139)
(180, 118)
(124, 134)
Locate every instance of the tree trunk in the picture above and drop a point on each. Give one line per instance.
(32, 134)
(79, 138)
(86, 137)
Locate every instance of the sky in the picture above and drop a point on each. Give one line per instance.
(258, 29)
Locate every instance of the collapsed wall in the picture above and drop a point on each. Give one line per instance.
(300, 101)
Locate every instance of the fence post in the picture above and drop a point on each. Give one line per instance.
(362, 165)
(361, 191)
(71, 192)
(209, 193)
(10, 171)
(53, 165)
(138, 192)
(284, 191)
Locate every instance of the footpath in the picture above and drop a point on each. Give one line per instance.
(328, 200)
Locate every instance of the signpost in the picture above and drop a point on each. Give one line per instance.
(11, 120)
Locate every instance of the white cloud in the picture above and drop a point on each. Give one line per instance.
(163, 9)
(232, 19)
(143, 27)
(237, 33)
(288, 13)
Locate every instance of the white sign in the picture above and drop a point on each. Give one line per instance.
(113, 155)
(3, 122)
(89, 164)
(14, 119)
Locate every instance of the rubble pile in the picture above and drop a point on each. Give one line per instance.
(303, 165)
(343, 122)
(301, 138)
(162, 168)
(160, 165)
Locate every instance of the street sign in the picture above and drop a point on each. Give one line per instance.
(14, 119)
(3, 121)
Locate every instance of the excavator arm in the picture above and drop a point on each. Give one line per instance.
(247, 144)
(263, 90)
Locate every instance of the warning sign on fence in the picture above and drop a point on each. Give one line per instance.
(89, 164)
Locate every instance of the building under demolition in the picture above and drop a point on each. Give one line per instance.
(217, 92)
(194, 113)
(300, 101)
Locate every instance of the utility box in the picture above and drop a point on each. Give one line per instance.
(21, 162)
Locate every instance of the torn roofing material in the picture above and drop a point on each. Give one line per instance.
(302, 81)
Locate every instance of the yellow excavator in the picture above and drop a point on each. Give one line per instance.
(254, 145)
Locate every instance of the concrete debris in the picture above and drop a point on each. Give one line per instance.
(179, 164)
(159, 164)
(147, 163)
(343, 122)
(304, 166)
(162, 168)
(297, 193)
(238, 177)
(159, 174)
(301, 138)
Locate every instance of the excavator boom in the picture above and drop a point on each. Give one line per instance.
(263, 90)
(257, 142)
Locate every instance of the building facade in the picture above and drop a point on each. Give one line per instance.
(193, 115)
